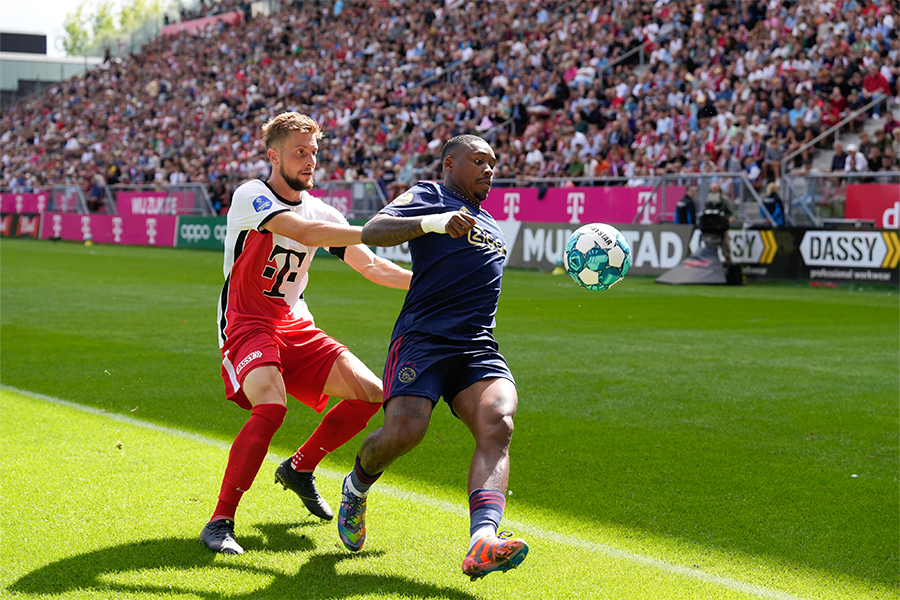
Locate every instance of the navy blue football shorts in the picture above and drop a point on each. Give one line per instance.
(432, 367)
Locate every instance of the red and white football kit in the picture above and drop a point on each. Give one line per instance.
(263, 318)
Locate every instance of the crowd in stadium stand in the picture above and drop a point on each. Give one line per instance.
(730, 86)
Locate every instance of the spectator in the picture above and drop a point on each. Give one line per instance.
(882, 141)
(728, 163)
(865, 144)
(854, 103)
(387, 181)
(686, 208)
(754, 147)
(812, 118)
(217, 195)
(873, 158)
(887, 164)
(97, 193)
(782, 130)
(831, 115)
(797, 111)
(366, 99)
(856, 160)
(799, 137)
(773, 205)
(874, 85)
(890, 123)
(771, 167)
(839, 159)
(838, 102)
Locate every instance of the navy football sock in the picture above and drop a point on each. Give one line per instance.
(360, 480)
(485, 512)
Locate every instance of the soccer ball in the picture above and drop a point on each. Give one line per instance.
(597, 256)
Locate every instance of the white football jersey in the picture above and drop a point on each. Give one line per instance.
(265, 273)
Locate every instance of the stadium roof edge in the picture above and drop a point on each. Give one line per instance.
(43, 58)
(22, 32)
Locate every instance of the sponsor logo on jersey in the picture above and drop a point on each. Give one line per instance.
(248, 359)
(406, 374)
(404, 198)
(480, 237)
(261, 203)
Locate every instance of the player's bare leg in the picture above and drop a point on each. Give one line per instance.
(406, 420)
(350, 378)
(361, 390)
(487, 408)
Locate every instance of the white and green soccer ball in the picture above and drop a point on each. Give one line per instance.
(597, 256)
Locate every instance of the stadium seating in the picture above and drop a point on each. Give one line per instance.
(563, 90)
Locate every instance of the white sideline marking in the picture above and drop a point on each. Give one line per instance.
(454, 509)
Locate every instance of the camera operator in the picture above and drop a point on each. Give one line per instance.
(718, 214)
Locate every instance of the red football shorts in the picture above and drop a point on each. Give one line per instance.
(303, 354)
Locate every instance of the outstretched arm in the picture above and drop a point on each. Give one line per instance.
(313, 233)
(376, 269)
(385, 230)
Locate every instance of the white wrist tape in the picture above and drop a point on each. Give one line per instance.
(436, 223)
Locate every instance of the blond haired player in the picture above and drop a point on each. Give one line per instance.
(269, 342)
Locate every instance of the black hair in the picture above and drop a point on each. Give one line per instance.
(455, 142)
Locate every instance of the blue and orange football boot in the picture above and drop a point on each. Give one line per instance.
(494, 553)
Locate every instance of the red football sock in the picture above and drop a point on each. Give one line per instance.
(246, 456)
(342, 422)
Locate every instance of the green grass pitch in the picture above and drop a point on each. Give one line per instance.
(671, 442)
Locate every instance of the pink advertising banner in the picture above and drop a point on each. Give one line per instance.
(154, 203)
(576, 205)
(878, 202)
(342, 200)
(24, 203)
(195, 25)
(108, 229)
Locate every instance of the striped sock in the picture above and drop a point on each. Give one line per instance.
(360, 480)
(485, 512)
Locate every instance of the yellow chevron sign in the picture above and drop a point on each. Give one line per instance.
(752, 247)
(892, 257)
(769, 247)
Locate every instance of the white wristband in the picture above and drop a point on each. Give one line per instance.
(436, 223)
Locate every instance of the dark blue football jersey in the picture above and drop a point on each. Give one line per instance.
(456, 282)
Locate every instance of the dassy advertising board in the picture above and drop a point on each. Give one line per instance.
(859, 256)
(757, 250)
(816, 255)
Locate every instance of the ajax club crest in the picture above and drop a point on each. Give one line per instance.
(406, 374)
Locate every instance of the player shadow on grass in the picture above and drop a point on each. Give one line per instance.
(98, 570)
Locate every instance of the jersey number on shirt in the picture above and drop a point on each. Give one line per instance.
(285, 271)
